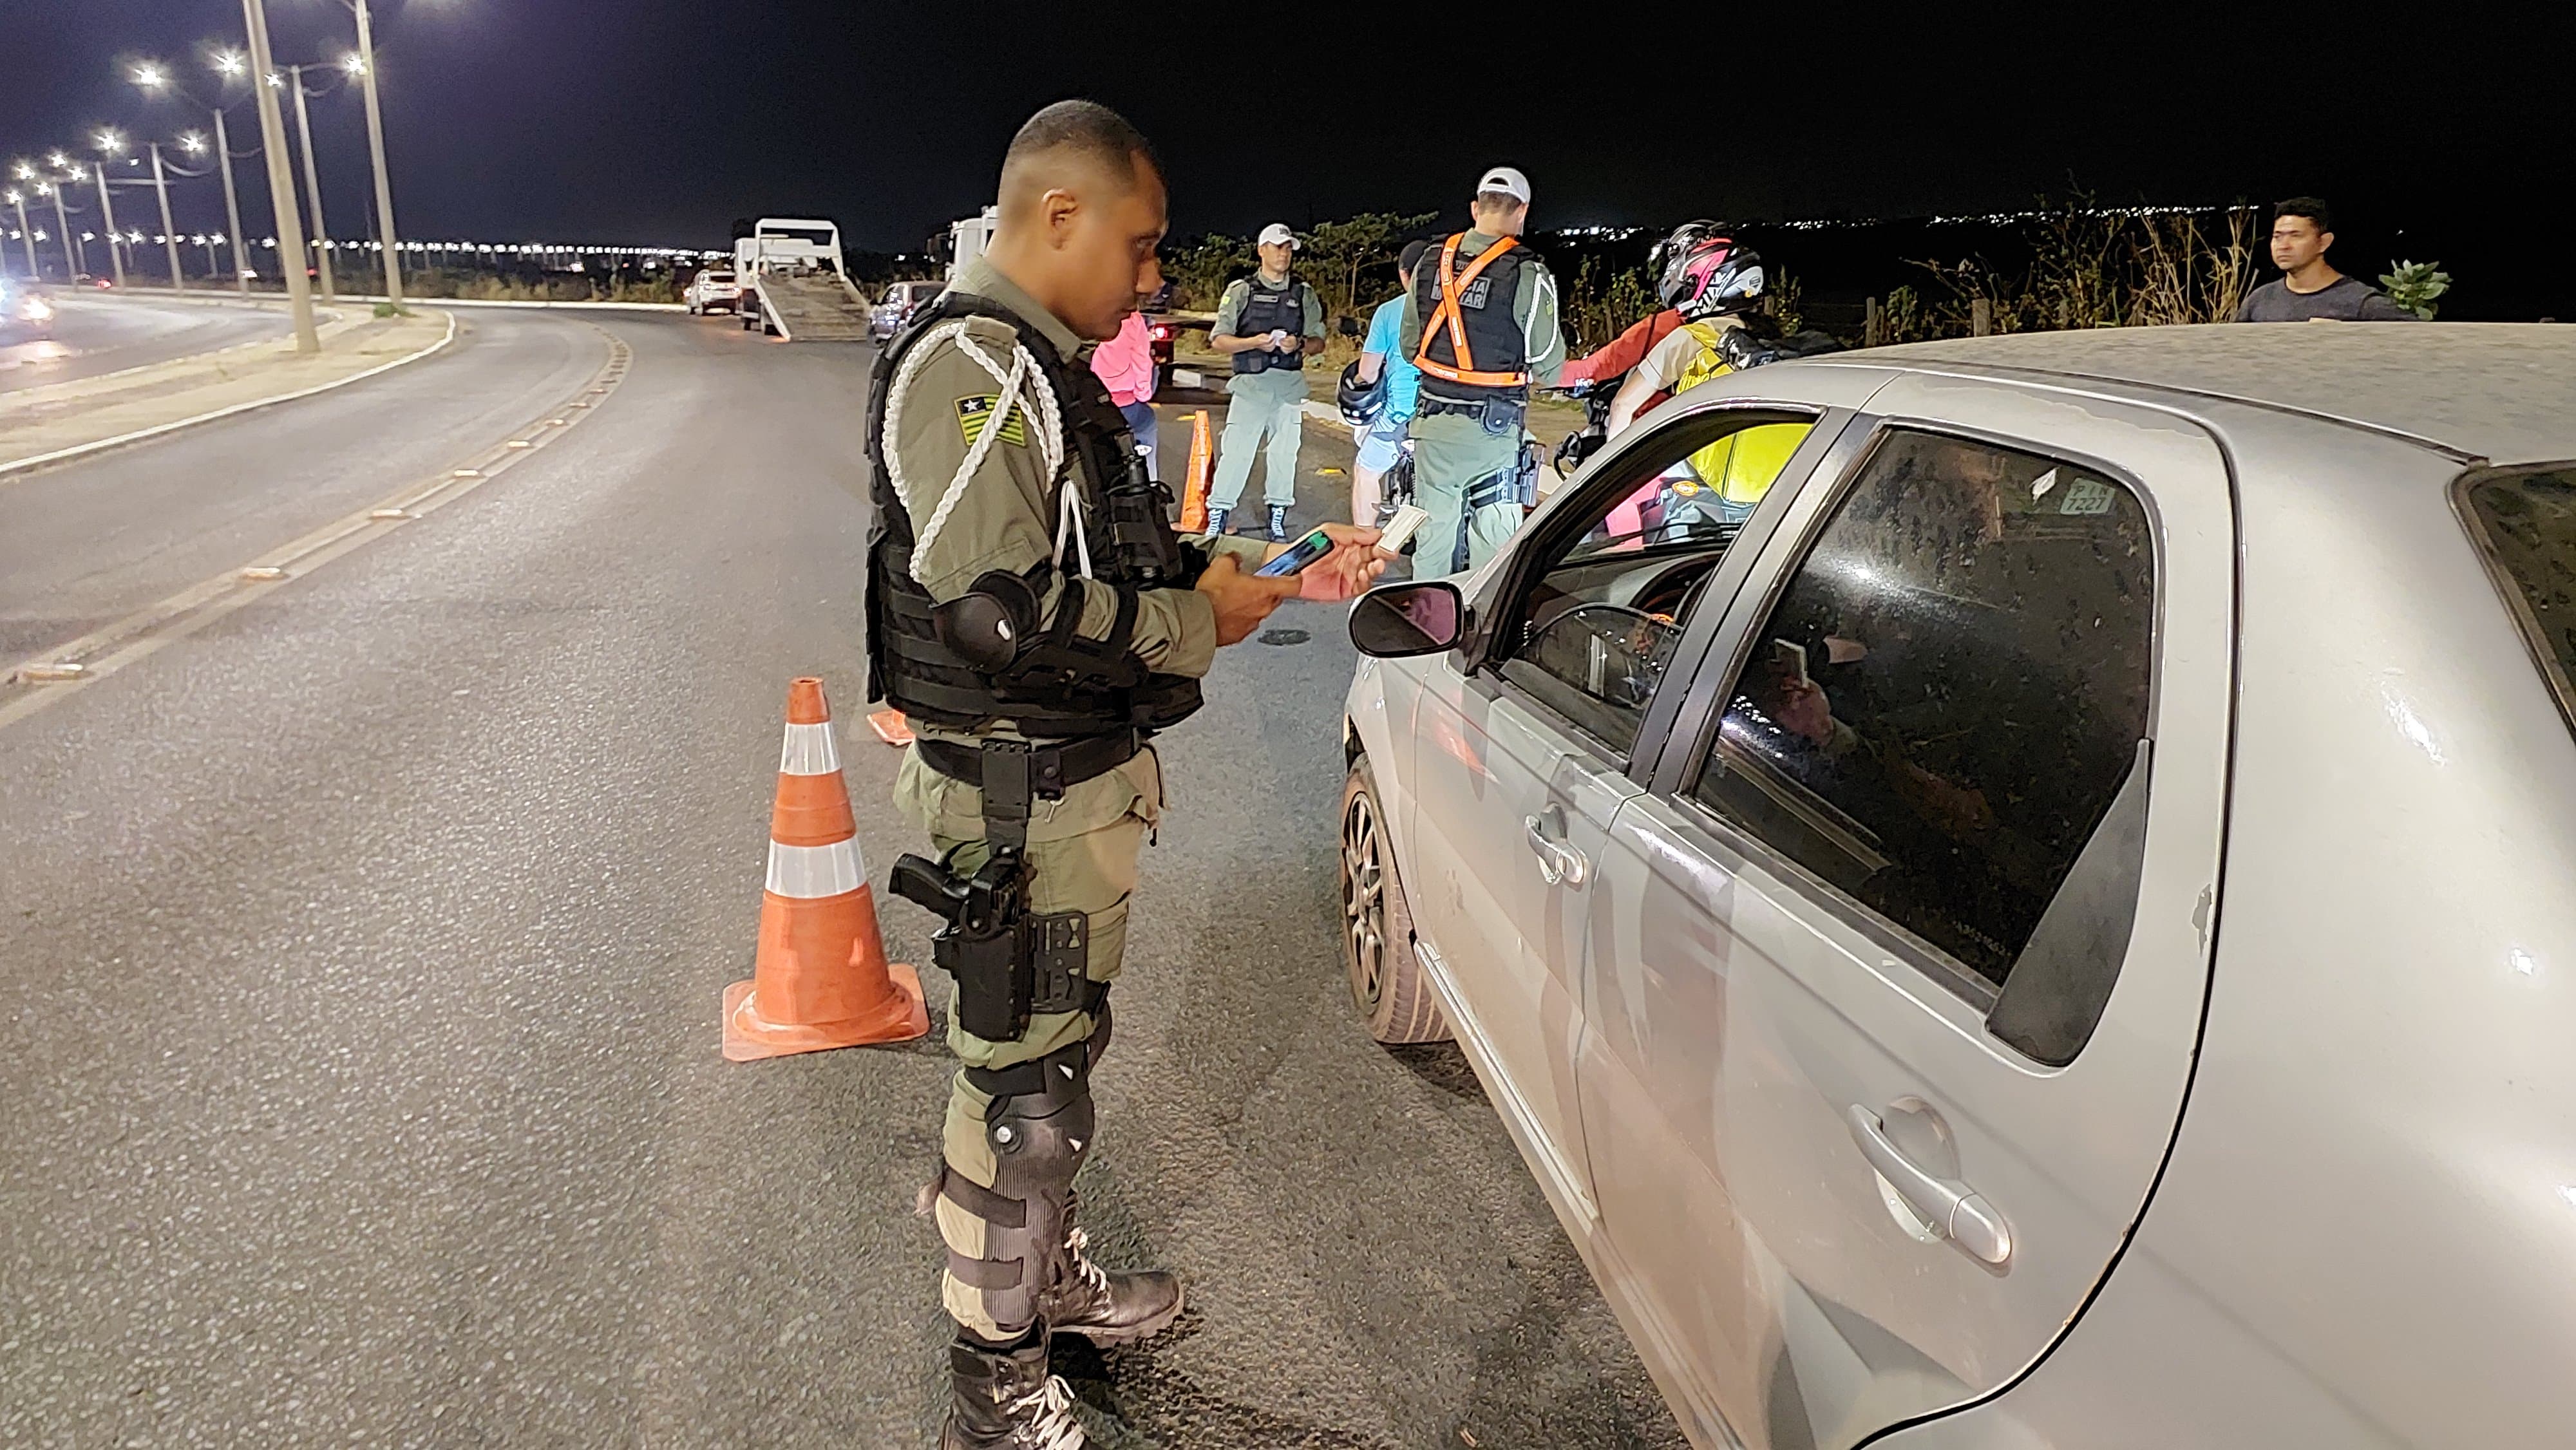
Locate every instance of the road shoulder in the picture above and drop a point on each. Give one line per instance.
(48, 425)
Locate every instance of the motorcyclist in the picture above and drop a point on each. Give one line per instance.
(1711, 280)
(1595, 376)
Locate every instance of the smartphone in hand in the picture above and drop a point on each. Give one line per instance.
(1300, 554)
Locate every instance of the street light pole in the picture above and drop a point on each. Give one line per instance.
(169, 233)
(18, 199)
(75, 256)
(281, 181)
(376, 143)
(107, 208)
(232, 204)
(312, 185)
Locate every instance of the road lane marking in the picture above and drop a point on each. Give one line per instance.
(70, 668)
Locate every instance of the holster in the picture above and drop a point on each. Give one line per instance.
(1009, 962)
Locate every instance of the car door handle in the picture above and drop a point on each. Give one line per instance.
(1953, 1209)
(1559, 864)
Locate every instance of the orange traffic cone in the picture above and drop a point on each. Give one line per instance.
(821, 979)
(1194, 492)
(891, 727)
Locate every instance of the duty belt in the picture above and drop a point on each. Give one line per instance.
(1499, 415)
(1052, 769)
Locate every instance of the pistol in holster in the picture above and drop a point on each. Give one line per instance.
(1009, 961)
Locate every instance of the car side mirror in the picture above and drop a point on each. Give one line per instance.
(1400, 620)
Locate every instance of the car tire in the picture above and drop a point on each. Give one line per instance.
(1389, 986)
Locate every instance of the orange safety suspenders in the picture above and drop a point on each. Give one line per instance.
(1452, 283)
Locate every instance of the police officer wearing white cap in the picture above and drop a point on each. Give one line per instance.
(1480, 322)
(1270, 324)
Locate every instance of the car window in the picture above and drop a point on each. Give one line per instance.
(2525, 524)
(1591, 634)
(1949, 693)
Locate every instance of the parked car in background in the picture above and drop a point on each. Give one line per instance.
(714, 289)
(2053, 932)
(893, 311)
(26, 313)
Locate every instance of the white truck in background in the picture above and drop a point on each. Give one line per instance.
(794, 283)
(968, 238)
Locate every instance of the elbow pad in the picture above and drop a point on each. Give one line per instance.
(992, 622)
(1000, 629)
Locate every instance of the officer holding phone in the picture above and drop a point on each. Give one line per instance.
(1032, 612)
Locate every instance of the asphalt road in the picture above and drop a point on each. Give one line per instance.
(363, 952)
(94, 335)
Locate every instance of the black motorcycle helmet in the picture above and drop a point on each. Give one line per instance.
(1704, 272)
(1360, 402)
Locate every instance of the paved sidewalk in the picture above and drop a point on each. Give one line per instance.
(45, 425)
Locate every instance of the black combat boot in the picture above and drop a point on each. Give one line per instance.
(1279, 523)
(1004, 1399)
(1106, 1307)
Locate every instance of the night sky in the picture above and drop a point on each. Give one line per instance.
(660, 121)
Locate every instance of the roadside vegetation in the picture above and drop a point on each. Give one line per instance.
(432, 283)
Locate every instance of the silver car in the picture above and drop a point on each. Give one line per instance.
(2058, 929)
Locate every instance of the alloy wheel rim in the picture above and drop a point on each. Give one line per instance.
(1364, 902)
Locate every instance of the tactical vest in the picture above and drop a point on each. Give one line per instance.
(1133, 547)
(1473, 349)
(1264, 312)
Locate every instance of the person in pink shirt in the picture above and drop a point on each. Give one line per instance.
(1126, 364)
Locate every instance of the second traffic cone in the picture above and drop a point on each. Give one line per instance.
(821, 978)
(1194, 491)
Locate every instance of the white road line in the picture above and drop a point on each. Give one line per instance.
(68, 669)
(80, 450)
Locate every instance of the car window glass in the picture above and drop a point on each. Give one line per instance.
(1950, 691)
(2525, 523)
(1590, 636)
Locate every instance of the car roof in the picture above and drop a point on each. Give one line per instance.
(2505, 392)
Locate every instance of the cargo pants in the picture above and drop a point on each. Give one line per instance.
(1082, 854)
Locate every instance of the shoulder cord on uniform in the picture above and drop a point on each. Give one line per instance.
(1050, 431)
(1529, 340)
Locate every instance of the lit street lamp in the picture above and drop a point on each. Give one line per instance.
(114, 145)
(312, 184)
(18, 199)
(75, 256)
(281, 182)
(230, 65)
(169, 232)
(363, 65)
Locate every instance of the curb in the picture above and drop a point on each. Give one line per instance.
(81, 450)
(277, 299)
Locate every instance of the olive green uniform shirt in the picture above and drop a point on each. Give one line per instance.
(1006, 519)
(1275, 384)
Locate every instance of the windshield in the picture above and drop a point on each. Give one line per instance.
(2525, 524)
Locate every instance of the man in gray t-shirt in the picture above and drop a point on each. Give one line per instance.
(2310, 289)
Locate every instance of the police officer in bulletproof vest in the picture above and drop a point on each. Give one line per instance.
(1480, 322)
(1268, 324)
(1033, 613)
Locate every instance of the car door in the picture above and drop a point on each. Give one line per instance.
(1896, 979)
(1520, 764)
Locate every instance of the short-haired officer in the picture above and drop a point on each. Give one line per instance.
(1269, 323)
(1480, 322)
(1033, 614)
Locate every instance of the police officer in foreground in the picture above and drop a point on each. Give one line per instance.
(1480, 323)
(1033, 613)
